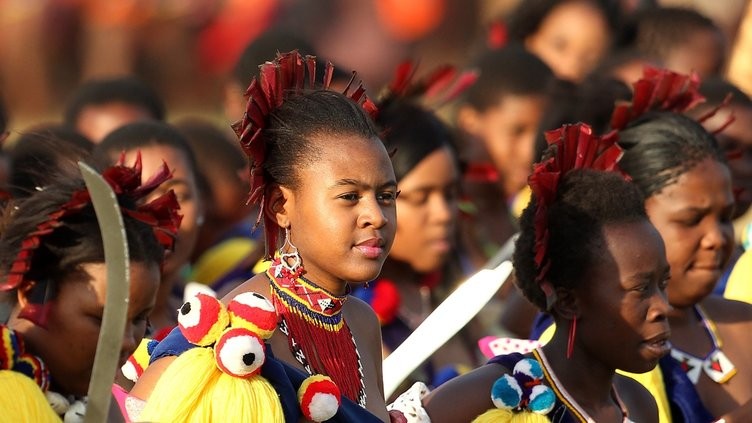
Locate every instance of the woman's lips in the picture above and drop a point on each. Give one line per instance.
(371, 248)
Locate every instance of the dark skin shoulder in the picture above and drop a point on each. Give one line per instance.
(731, 400)
(475, 390)
(639, 401)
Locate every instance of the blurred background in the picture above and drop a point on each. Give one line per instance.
(187, 49)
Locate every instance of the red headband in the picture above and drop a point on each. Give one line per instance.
(574, 147)
(284, 76)
(161, 213)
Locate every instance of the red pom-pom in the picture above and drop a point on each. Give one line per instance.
(202, 319)
(319, 398)
(254, 312)
(386, 300)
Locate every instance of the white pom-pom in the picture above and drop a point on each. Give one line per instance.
(323, 406)
(59, 403)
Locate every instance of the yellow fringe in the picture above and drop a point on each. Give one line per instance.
(21, 400)
(193, 389)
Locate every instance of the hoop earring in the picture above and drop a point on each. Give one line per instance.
(570, 339)
(290, 259)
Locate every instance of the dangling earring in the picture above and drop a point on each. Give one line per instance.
(572, 334)
(290, 258)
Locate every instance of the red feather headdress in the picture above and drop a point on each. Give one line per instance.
(439, 87)
(572, 147)
(161, 214)
(665, 90)
(277, 80)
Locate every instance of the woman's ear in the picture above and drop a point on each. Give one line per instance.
(566, 304)
(278, 204)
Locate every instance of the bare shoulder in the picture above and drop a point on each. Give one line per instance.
(361, 310)
(728, 312)
(259, 284)
(463, 398)
(639, 401)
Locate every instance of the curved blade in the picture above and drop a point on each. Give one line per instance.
(446, 320)
(118, 288)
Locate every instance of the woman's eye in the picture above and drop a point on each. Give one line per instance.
(350, 196)
(387, 197)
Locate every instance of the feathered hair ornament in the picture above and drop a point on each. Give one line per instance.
(289, 74)
(664, 90)
(161, 214)
(439, 87)
(571, 147)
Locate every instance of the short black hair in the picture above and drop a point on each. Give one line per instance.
(412, 133)
(591, 102)
(42, 153)
(658, 31)
(129, 90)
(586, 201)
(142, 134)
(511, 70)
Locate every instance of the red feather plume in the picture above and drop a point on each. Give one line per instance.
(658, 89)
(573, 147)
(161, 213)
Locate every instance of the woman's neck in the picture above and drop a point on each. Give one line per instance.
(592, 392)
(682, 316)
(399, 272)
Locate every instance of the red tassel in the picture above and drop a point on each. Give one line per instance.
(572, 335)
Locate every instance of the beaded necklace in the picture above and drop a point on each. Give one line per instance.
(716, 365)
(561, 393)
(316, 331)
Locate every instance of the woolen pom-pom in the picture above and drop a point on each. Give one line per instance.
(139, 360)
(319, 398)
(254, 312)
(202, 319)
(240, 352)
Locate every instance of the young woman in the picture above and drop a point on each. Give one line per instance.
(327, 193)
(55, 278)
(424, 261)
(159, 143)
(683, 176)
(588, 254)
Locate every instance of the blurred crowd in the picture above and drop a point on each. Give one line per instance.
(164, 80)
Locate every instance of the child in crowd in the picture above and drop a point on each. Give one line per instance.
(55, 279)
(498, 118)
(98, 107)
(326, 190)
(571, 36)
(160, 143)
(679, 39)
(228, 247)
(424, 262)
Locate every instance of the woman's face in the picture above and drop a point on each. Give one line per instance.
(623, 307)
(427, 210)
(693, 215)
(183, 182)
(69, 342)
(571, 39)
(342, 217)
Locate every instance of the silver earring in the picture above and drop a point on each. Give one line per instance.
(288, 254)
